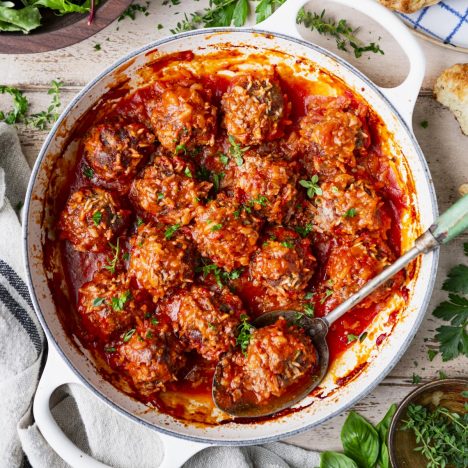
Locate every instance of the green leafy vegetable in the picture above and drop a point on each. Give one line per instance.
(245, 331)
(342, 31)
(431, 354)
(457, 280)
(169, 232)
(20, 104)
(336, 460)
(382, 429)
(23, 19)
(360, 440)
(312, 186)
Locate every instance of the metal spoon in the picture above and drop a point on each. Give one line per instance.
(449, 225)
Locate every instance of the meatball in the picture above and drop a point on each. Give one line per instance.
(116, 150)
(160, 260)
(225, 233)
(267, 186)
(151, 355)
(168, 190)
(350, 265)
(255, 109)
(277, 357)
(329, 137)
(349, 206)
(108, 304)
(206, 320)
(184, 116)
(91, 219)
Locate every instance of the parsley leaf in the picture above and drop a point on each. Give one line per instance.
(312, 186)
(88, 172)
(133, 9)
(457, 280)
(351, 213)
(304, 231)
(42, 119)
(236, 151)
(245, 330)
(97, 216)
(169, 232)
(118, 303)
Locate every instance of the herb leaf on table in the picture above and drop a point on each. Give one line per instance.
(453, 338)
(382, 428)
(265, 8)
(20, 106)
(336, 460)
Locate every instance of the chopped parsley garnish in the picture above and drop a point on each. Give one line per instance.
(139, 221)
(342, 31)
(188, 172)
(98, 301)
(216, 227)
(312, 186)
(245, 330)
(212, 326)
(118, 303)
(42, 119)
(97, 216)
(97, 47)
(288, 244)
(217, 179)
(442, 375)
(453, 338)
(133, 9)
(328, 293)
(309, 310)
(309, 295)
(154, 321)
(223, 158)
(128, 335)
(126, 256)
(112, 265)
(180, 148)
(237, 151)
(160, 196)
(169, 232)
(109, 349)
(304, 231)
(431, 354)
(350, 337)
(149, 334)
(351, 213)
(222, 277)
(424, 124)
(88, 172)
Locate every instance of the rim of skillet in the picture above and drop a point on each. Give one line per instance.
(49, 334)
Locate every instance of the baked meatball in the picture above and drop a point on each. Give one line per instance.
(329, 135)
(350, 265)
(255, 109)
(283, 263)
(92, 218)
(277, 357)
(108, 304)
(115, 150)
(349, 206)
(160, 260)
(225, 233)
(266, 186)
(151, 355)
(184, 116)
(169, 191)
(205, 320)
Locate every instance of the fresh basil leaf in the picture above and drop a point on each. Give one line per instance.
(336, 460)
(25, 19)
(360, 440)
(382, 428)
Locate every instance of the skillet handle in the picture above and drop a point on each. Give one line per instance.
(404, 96)
(56, 373)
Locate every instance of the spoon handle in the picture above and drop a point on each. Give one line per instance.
(448, 226)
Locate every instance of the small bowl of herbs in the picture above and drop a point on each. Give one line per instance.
(28, 26)
(430, 427)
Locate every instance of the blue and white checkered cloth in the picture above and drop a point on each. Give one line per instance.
(447, 22)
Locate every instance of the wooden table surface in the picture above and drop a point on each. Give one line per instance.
(443, 144)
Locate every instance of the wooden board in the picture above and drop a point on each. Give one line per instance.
(442, 142)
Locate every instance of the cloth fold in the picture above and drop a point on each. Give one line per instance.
(88, 422)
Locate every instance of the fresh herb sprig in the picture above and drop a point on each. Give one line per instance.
(342, 31)
(236, 151)
(441, 435)
(113, 261)
(222, 277)
(453, 338)
(133, 9)
(312, 186)
(42, 119)
(20, 106)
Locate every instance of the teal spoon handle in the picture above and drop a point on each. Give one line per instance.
(448, 226)
(451, 223)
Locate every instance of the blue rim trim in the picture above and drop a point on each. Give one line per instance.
(98, 393)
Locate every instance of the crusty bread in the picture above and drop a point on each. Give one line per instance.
(408, 6)
(451, 90)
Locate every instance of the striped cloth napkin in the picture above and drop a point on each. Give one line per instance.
(89, 423)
